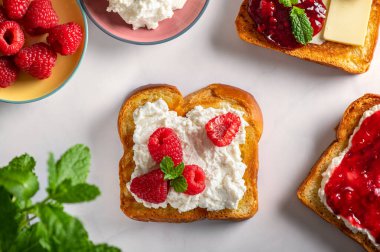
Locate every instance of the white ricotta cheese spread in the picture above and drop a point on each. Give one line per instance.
(145, 13)
(330, 170)
(223, 166)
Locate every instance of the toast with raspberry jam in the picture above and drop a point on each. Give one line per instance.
(211, 96)
(352, 59)
(308, 191)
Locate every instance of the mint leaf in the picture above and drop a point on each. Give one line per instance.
(52, 171)
(32, 239)
(288, 3)
(178, 170)
(68, 193)
(171, 172)
(301, 26)
(65, 233)
(179, 184)
(22, 163)
(22, 184)
(8, 226)
(167, 165)
(74, 164)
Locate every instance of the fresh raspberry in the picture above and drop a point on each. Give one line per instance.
(195, 178)
(11, 38)
(221, 130)
(38, 60)
(3, 17)
(165, 142)
(65, 39)
(8, 72)
(16, 9)
(150, 187)
(40, 17)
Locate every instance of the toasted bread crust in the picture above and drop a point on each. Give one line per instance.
(211, 96)
(352, 59)
(308, 191)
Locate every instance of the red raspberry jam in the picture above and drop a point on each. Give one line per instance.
(272, 19)
(353, 190)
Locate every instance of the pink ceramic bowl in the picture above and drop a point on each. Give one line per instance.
(114, 25)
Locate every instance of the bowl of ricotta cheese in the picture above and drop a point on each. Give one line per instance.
(144, 22)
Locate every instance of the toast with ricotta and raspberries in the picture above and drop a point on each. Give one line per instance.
(325, 181)
(142, 105)
(354, 59)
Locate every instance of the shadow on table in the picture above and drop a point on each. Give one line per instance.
(304, 218)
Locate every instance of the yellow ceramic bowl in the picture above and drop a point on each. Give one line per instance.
(26, 88)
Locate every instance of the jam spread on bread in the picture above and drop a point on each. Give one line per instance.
(272, 19)
(353, 190)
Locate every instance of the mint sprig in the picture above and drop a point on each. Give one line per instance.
(174, 174)
(44, 226)
(301, 26)
(288, 3)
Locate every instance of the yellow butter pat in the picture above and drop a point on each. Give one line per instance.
(347, 21)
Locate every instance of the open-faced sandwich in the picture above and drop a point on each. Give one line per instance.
(344, 185)
(337, 33)
(189, 158)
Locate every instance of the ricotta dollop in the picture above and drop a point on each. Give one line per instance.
(223, 166)
(145, 13)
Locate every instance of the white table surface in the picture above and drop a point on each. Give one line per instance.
(302, 102)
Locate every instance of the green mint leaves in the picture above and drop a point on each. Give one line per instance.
(174, 174)
(301, 26)
(179, 184)
(288, 3)
(18, 177)
(52, 228)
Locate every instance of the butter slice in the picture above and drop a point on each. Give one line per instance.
(347, 21)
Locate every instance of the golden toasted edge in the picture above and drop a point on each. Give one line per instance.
(308, 191)
(135, 210)
(212, 96)
(329, 53)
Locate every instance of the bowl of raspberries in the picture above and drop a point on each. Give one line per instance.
(41, 45)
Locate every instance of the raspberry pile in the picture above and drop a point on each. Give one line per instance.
(165, 148)
(33, 17)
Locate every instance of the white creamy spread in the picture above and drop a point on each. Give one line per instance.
(145, 13)
(223, 166)
(330, 170)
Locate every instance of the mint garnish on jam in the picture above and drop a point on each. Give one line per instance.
(288, 24)
(174, 174)
(301, 26)
(288, 3)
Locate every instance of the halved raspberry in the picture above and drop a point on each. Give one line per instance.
(65, 39)
(40, 17)
(165, 142)
(3, 17)
(195, 178)
(16, 9)
(37, 60)
(221, 130)
(8, 72)
(11, 38)
(150, 187)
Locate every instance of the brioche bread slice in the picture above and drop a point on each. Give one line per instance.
(308, 191)
(352, 59)
(211, 96)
